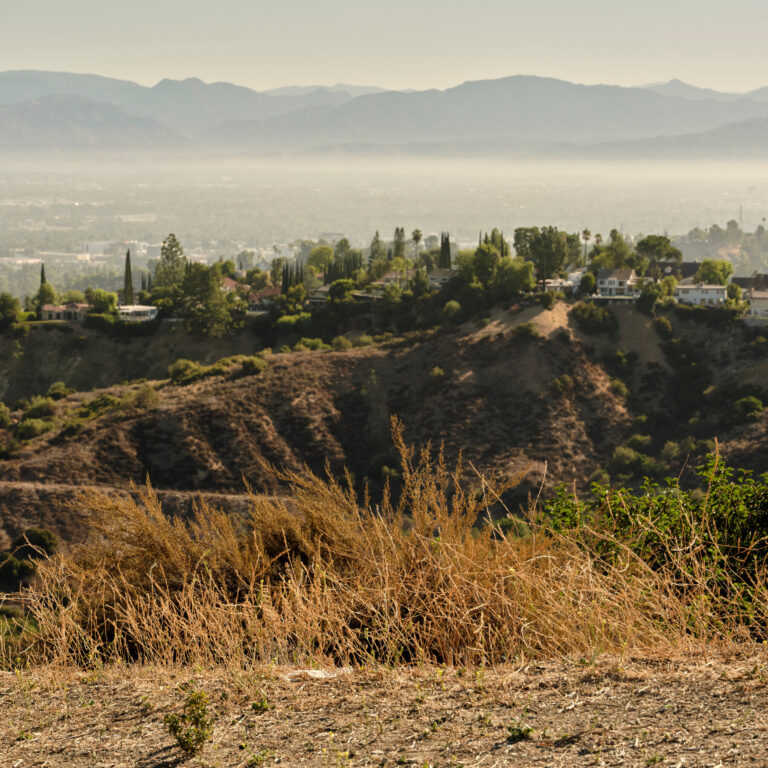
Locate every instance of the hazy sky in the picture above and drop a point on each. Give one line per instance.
(392, 43)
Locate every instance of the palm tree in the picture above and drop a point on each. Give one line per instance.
(586, 236)
(416, 236)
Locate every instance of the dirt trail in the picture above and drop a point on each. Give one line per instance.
(683, 713)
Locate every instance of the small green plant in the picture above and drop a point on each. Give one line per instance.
(257, 758)
(261, 704)
(436, 373)
(194, 726)
(518, 731)
(59, 389)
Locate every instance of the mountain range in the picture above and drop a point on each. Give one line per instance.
(519, 115)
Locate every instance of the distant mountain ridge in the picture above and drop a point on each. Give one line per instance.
(521, 114)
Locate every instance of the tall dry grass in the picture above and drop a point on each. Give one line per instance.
(333, 580)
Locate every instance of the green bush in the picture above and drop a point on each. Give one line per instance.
(619, 389)
(311, 344)
(21, 404)
(363, 341)
(594, 319)
(30, 428)
(746, 409)
(35, 542)
(99, 405)
(341, 343)
(58, 390)
(184, 371)
(40, 407)
(525, 331)
(663, 327)
(548, 299)
(561, 385)
(194, 726)
(14, 572)
(451, 311)
(5, 415)
(253, 365)
(436, 373)
(640, 442)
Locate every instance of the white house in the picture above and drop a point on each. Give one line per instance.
(136, 313)
(616, 282)
(701, 294)
(558, 284)
(758, 303)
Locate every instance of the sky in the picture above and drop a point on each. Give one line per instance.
(392, 43)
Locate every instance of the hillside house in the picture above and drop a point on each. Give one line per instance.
(71, 312)
(260, 301)
(393, 278)
(758, 303)
(559, 285)
(228, 285)
(701, 295)
(439, 277)
(616, 282)
(136, 313)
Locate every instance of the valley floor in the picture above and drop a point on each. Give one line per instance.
(678, 712)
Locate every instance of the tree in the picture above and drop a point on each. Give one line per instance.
(320, 256)
(588, 283)
(9, 310)
(657, 248)
(398, 244)
(245, 260)
(203, 305)
(512, 277)
(486, 259)
(276, 270)
(420, 283)
(416, 236)
(586, 236)
(128, 280)
(42, 274)
(733, 291)
(45, 295)
(171, 267)
(101, 302)
(714, 272)
(444, 261)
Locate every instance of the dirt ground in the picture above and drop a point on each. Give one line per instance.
(607, 713)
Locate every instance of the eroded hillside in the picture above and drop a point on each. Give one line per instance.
(529, 395)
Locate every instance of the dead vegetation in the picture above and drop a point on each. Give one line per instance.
(335, 580)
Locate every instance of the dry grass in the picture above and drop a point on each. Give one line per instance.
(338, 581)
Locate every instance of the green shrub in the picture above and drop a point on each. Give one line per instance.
(640, 442)
(146, 396)
(35, 542)
(184, 371)
(21, 404)
(312, 344)
(58, 390)
(525, 331)
(436, 373)
(594, 319)
(561, 385)
(340, 343)
(663, 327)
(363, 341)
(619, 389)
(14, 572)
(39, 408)
(746, 409)
(98, 405)
(30, 428)
(5, 415)
(548, 299)
(253, 365)
(451, 311)
(194, 726)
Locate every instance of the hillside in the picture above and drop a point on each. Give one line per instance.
(502, 397)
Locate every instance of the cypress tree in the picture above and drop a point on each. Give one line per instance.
(149, 283)
(128, 280)
(42, 274)
(143, 282)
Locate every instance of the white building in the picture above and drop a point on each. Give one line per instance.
(136, 313)
(758, 303)
(616, 282)
(701, 294)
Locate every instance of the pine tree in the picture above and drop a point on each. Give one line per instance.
(42, 274)
(143, 282)
(128, 280)
(149, 283)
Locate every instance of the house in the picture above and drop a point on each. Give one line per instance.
(757, 282)
(684, 270)
(393, 278)
(439, 277)
(319, 295)
(758, 303)
(71, 312)
(559, 285)
(228, 285)
(616, 282)
(701, 294)
(136, 313)
(261, 300)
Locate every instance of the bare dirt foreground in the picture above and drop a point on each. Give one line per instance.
(608, 713)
